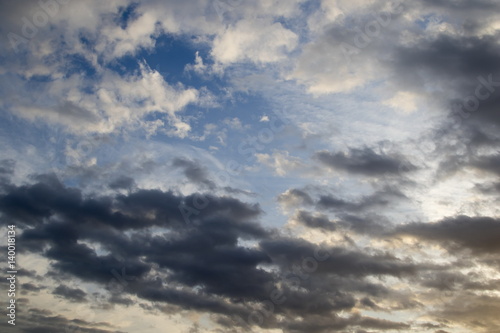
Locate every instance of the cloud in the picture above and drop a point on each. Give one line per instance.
(30, 287)
(492, 188)
(322, 200)
(364, 162)
(6, 170)
(260, 41)
(45, 321)
(155, 234)
(341, 262)
(295, 197)
(477, 313)
(320, 326)
(377, 199)
(313, 221)
(488, 163)
(71, 294)
(281, 162)
(30, 205)
(114, 102)
(478, 234)
(403, 101)
(122, 182)
(198, 265)
(195, 172)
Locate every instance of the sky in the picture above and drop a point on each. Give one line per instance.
(251, 166)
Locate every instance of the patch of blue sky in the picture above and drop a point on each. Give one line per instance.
(77, 64)
(125, 66)
(170, 56)
(424, 21)
(127, 14)
(36, 146)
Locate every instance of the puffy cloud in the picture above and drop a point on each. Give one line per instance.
(259, 41)
(295, 197)
(281, 162)
(89, 237)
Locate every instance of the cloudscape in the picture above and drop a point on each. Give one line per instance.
(274, 166)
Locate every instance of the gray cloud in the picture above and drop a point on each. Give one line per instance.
(195, 172)
(122, 182)
(295, 197)
(488, 163)
(348, 209)
(71, 294)
(222, 260)
(319, 222)
(364, 162)
(479, 234)
(200, 265)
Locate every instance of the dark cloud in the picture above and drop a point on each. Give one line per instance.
(367, 302)
(363, 224)
(371, 224)
(122, 183)
(377, 199)
(294, 197)
(318, 222)
(168, 253)
(464, 6)
(31, 287)
(193, 171)
(342, 262)
(479, 234)
(489, 188)
(6, 171)
(45, 321)
(32, 204)
(452, 57)
(488, 163)
(199, 264)
(319, 325)
(462, 148)
(71, 294)
(449, 280)
(364, 162)
(465, 67)
(352, 214)
(478, 313)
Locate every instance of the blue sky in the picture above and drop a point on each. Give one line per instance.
(259, 166)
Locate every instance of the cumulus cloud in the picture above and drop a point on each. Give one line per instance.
(269, 43)
(202, 253)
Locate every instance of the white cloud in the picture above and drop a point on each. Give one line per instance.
(403, 101)
(198, 67)
(281, 162)
(116, 42)
(234, 123)
(259, 41)
(118, 101)
(328, 65)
